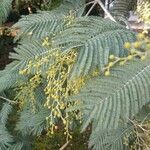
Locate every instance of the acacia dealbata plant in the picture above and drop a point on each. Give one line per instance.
(72, 70)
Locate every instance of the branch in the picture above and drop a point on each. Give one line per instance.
(64, 146)
(91, 8)
(105, 10)
(8, 100)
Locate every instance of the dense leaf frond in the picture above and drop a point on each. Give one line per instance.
(109, 101)
(32, 123)
(5, 7)
(39, 25)
(10, 76)
(110, 140)
(95, 38)
(47, 23)
(21, 143)
(5, 112)
(5, 137)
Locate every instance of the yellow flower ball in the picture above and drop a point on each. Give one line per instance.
(140, 36)
(129, 57)
(137, 44)
(107, 73)
(143, 57)
(52, 132)
(111, 57)
(127, 45)
(70, 137)
(110, 64)
(64, 122)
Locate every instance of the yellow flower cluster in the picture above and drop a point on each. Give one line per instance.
(58, 86)
(46, 42)
(26, 91)
(69, 19)
(138, 49)
(143, 10)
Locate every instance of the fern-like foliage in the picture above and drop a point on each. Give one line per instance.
(110, 102)
(10, 76)
(5, 138)
(22, 143)
(47, 23)
(32, 123)
(95, 38)
(5, 112)
(5, 7)
(107, 102)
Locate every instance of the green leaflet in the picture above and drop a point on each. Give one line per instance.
(9, 77)
(5, 7)
(116, 98)
(5, 137)
(6, 109)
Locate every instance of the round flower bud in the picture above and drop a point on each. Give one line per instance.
(111, 57)
(127, 45)
(70, 137)
(140, 36)
(52, 132)
(47, 118)
(107, 73)
(64, 122)
(129, 57)
(110, 64)
(143, 57)
(56, 127)
(137, 44)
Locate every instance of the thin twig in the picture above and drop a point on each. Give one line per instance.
(137, 125)
(91, 8)
(90, 3)
(64, 146)
(8, 100)
(105, 10)
(145, 118)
